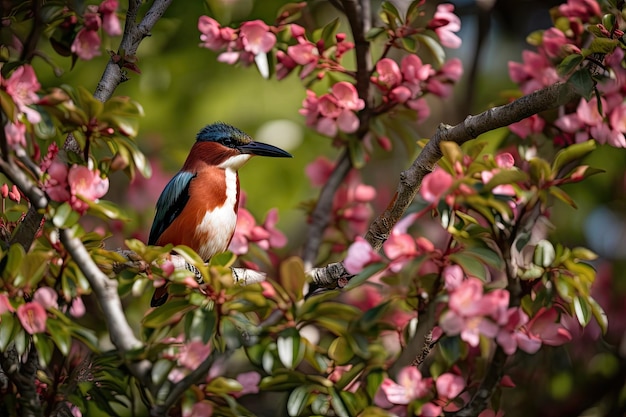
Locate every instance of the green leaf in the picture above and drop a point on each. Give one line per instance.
(338, 405)
(434, 47)
(290, 348)
(327, 33)
(9, 326)
(409, 44)
(166, 314)
(563, 196)
(544, 253)
(582, 310)
(201, 324)
(451, 152)
(362, 276)
(507, 176)
(340, 351)
(374, 32)
(568, 64)
(583, 254)
(298, 400)
(290, 12)
(582, 83)
(293, 277)
(86, 101)
(106, 210)
(61, 335)
(572, 153)
(540, 171)
(373, 381)
(357, 152)
(44, 348)
(599, 314)
(603, 45)
(15, 256)
(123, 114)
(8, 106)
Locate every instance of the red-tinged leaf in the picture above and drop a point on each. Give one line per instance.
(293, 277)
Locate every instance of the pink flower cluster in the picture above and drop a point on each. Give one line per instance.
(538, 70)
(22, 87)
(87, 42)
(408, 83)
(471, 313)
(411, 385)
(334, 111)
(310, 55)
(351, 202)
(242, 45)
(74, 185)
(445, 23)
(247, 231)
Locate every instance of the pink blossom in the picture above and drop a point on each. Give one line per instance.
(284, 65)
(553, 42)
(213, 36)
(431, 409)
(453, 276)
(256, 37)
(87, 184)
(544, 326)
(245, 225)
(589, 113)
(56, 185)
(110, 21)
(319, 171)
(449, 385)
(389, 75)
(33, 317)
(77, 307)
(15, 134)
(193, 354)
(199, 409)
(92, 19)
(304, 53)
(509, 336)
(332, 112)
(435, 184)
(414, 72)
(360, 254)
(46, 297)
(249, 382)
(528, 126)
(22, 86)
(86, 45)
(410, 386)
(470, 311)
(445, 23)
(583, 9)
(505, 160)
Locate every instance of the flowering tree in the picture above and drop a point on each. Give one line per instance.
(430, 309)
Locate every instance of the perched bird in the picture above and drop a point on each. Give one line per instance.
(198, 207)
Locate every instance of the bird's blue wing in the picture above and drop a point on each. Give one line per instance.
(170, 204)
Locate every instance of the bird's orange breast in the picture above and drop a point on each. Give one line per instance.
(207, 222)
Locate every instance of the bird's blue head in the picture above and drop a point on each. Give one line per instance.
(233, 138)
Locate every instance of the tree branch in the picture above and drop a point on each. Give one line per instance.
(105, 289)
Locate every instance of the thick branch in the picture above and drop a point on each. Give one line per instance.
(105, 289)
(473, 126)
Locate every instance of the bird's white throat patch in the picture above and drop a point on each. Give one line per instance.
(235, 162)
(219, 223)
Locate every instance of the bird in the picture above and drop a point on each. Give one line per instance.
(198, 206)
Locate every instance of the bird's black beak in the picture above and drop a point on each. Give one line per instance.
(263, 149)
